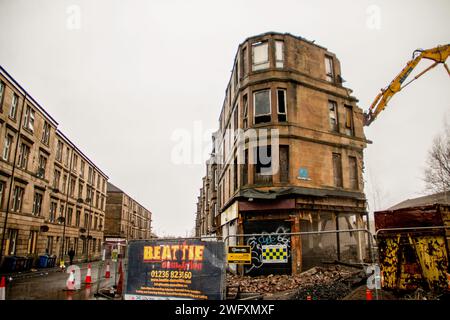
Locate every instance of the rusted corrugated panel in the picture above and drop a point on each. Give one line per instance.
(409, 217)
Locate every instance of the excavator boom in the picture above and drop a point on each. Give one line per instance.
(438, 55)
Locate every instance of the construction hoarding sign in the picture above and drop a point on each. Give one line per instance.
(167, 269)
(239, 254)
(274, 254)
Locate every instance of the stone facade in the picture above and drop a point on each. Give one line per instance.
(125, 217)
(286, 83)
(48, 186)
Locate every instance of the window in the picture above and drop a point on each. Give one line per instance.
(95, 222)
(329, 68)
(59, 149)
(353, 167)
(66, 245)
(56, 178)
(84, 248)
(334, 123)
(281, 100)
(103, 185)
(61, 210)
(260, 56)
(263, 165)
(2, 193)
(80, 190)
(13, 109)
(32, 242)
(262, 106)
(46, 133)
(69, 216)
(284, 164)
(279, 53)
(42, 166)
(97, 202)
(49, 248)
(63, 189)
(7, 147)
(82, 169)
(235, 175)
(245, 114)
(349, 121)
(24, 152)
(52, 211)
(244, 171)
(75, 162)
(17, 198)
(86, 218)
(28, 122)
(2, 91)
(98, 181)
(77, 218)
(72, 187)
(37, 204)
(66, 162)
(75, 245)
(244, 62)
(11, 242)
(337, 170)
(90, 175)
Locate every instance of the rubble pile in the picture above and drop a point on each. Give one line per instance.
(333, 282)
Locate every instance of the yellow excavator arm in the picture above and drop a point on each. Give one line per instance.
(438, 55)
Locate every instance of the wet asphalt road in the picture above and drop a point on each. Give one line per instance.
(51, 286)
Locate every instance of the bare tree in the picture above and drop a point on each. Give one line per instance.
(437, 172)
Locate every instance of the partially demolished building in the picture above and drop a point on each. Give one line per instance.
(288, 157)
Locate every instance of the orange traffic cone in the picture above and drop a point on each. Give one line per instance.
(368, 294)
(120, 283)
(107, 273)
(88, 279)
(2, 289)
(70, 284)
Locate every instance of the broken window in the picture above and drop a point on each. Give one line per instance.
(17, 199)
(353, 167)
(337, 170)
(334, 123)
(260, 56)
(46, 133)
(329, 68)
(28, 122)
(281, 99)
(245, 117)
(263, 165)
(24, 152)
(13, 109)
(262, 106)
(349, 120)
(284, 163)
(279, 54)
(244, 62)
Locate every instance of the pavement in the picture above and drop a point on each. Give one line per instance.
(50, 283)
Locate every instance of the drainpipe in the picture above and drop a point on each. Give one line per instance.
(12, 178)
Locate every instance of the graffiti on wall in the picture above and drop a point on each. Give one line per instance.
(267, 239)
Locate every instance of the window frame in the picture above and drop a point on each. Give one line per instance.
(285, 105)
(14, 102)
(263, 64)
(336, 113)
(270, 106)
(330, 76)
(279, 63)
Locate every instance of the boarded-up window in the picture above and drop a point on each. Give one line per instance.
(353, 167)
(337, 170)
(334, 122)
(260, 56)
(279, 54)
(284, 163)
(262, 106)
(349, 120)
(244, 171)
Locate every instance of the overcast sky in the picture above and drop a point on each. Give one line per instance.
(121, 77)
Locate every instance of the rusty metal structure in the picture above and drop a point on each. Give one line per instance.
(413, 246)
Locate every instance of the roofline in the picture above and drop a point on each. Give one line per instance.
(62, 135)
(27, 95)
(121, 191)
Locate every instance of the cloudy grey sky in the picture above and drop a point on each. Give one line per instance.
(132, 72)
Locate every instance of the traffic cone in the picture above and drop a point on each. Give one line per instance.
(368, 294)
(120, 283)
(88, 279)
(107, 273)
(70, 284)
(2, 289)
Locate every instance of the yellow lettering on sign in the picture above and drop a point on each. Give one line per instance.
(148, 253)
(199, 252)
(166, 253)
(157, 253)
